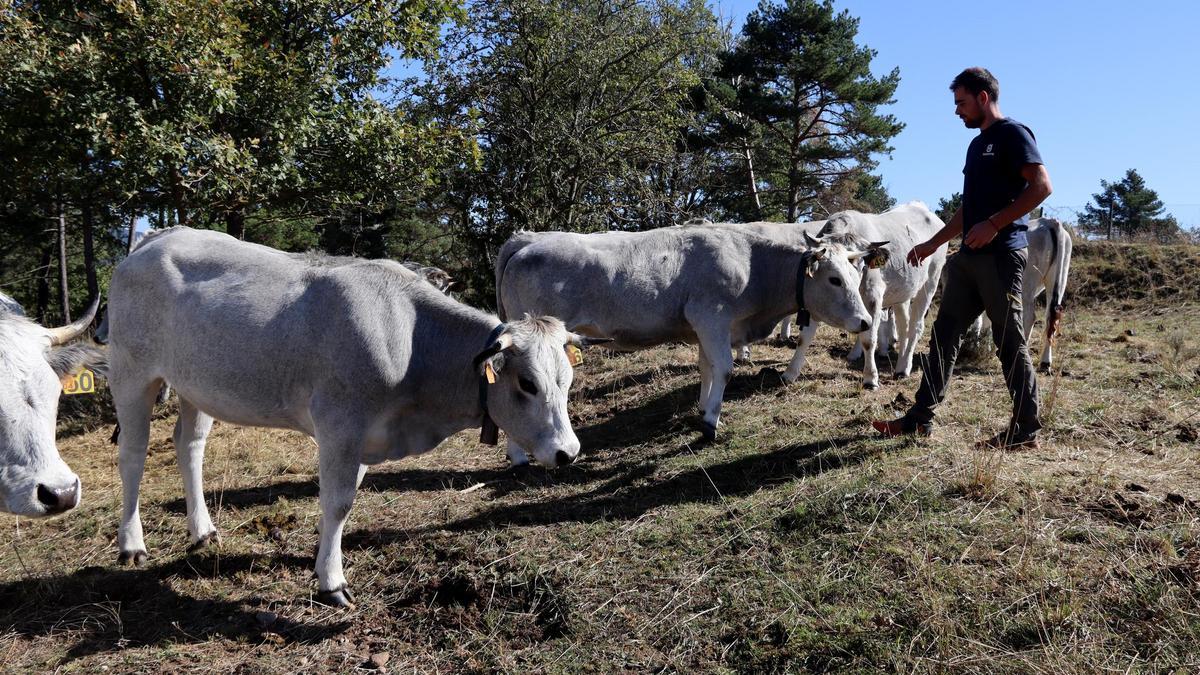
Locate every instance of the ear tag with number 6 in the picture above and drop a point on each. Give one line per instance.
(574, 355)
(83, 382)
(489, 372)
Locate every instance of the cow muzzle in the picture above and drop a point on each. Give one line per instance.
(57, 500)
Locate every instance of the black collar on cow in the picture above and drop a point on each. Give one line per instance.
(802, 316)
(489, 433)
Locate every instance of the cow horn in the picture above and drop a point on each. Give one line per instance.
(64, 334)
(812, 243)
(585, 341)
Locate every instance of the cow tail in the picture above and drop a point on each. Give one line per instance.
(1060, 263)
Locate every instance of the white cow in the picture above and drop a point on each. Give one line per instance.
(362, 355)
(712, 286)
(870, 287)
(1047, 263)
(34, 480)
(908, 291)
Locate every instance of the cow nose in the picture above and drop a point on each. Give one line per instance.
(59, 500)
(561, 458)
(863, 326)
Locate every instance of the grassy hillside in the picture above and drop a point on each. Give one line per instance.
(1131, 275)
(797, 542)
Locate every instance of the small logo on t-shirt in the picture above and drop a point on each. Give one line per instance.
(987, 152)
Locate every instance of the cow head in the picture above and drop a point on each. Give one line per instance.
(532, 374)
(34, 480)
(834, 275)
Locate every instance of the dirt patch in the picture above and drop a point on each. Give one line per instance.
(522, 608)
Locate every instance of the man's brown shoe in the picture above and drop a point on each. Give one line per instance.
(1009, 440)
(902, 426)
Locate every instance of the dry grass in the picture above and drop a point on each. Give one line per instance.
(797, 542)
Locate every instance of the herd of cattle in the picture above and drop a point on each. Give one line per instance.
(377, 362)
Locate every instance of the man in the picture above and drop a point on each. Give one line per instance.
(1004, 179)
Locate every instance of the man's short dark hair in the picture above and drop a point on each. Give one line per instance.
(976, 80)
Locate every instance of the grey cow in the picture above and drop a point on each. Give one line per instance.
(871, 285)
(907, 290)
(1047, 266)
(712, 286)
(364, 356)
(34, 480)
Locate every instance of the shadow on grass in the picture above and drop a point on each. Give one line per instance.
(112, 609)
(655, 420)
(632, 492)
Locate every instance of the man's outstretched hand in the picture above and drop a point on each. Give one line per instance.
(920, 252)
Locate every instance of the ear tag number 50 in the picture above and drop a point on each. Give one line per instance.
(83, 382)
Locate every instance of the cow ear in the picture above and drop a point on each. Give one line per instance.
(585, 341)
(493, 350)
(877, 256)
(811, 263)
(66, 361)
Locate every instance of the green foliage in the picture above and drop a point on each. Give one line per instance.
(804, 88)
(579, 114)
(1128, 208)
(948, 206)
(214, 113)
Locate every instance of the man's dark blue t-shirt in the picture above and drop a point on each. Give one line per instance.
(992, 180)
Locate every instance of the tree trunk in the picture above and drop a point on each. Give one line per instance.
(43, 285)
(235, 223)
(129, 242)
(63, 294)
(753, 183)
(89, 250)
(177, 196)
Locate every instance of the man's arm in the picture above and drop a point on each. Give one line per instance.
(924, 250)
(1036, 190)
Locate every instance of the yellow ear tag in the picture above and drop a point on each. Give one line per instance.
(489, 372)
(83, 382)
(574, 355)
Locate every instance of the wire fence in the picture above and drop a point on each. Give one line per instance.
(1187, 215)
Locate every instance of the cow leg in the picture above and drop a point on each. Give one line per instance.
(856, 352)
(807, 334)
(191, 434)
(744, 355)
(516, 455)
(715, 348)
(904, 325)
(340, 475)
(785, 327)
(867, 341)
(134, 405)
(918, 308)
(886, 338)
(1029, 293)
(705, 365)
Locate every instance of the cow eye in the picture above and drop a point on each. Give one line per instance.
(836, 281)
(527, 386)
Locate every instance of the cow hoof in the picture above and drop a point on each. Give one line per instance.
(339, 597)
(870, 386)
(708, 431)
(134, 558)
(900, 375)
(1044, 368)
(203, 542)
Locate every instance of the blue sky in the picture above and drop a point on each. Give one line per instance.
(1106, 86)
